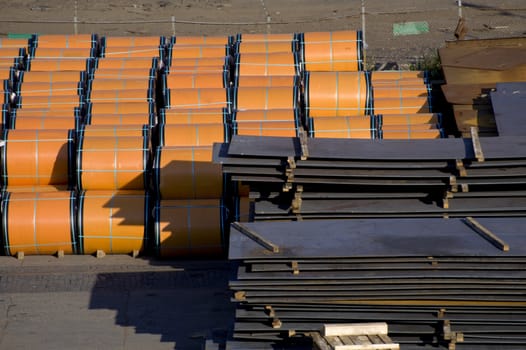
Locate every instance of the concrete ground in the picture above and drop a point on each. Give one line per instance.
(117, 302)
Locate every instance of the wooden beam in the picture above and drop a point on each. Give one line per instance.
(255, 237)
(487, 234)
(476, 144)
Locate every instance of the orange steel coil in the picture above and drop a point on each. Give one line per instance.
(131, 51)
(278, 63)
(145, 108)
(245, 38)
(122, 119)
(199, 62)
(127, 63)
(191, 134)
(400, 91)
(9, 52)
(352, 127)
(39, 222)
(37, 157)
(192, 170)
(10, 42)
(115, 222)
(401, 105)
(60, 64)
(55, 77)
(410, 119)
(66, 41)
(198, 69)
(124, 73)
(201, 40)
(44, 188)
(265, 47)
(267, 81)
(181, 231)
(411, 134)
(51, 101)
(132, 41)
(266, 115)
(45, 113)
(121, 96)
(193, 116)
(137, 130)
(336, 93)
(44, 123)
(332, 51)
(266, 128)
(404, 127)
(69, 53)
(112, 163)
(176, 80)
(197, 98)
(120, 84)
(197, 51)
(50, 88)
(266, 98)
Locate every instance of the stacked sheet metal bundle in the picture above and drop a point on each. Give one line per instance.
(387, 178)
(437, 283)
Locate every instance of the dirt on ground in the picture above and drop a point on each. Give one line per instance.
(435, 20)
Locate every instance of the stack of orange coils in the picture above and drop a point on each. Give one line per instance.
(38, 202)
(189, 212)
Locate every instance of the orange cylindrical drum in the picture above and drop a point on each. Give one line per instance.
(121, 96)
(117, 130)
(410, 119)
(336, 93)
(120, 84)
(112, 163)
(49, 64)
(266, 128)
(266, 115)
(51, 101)
(355, 127)
(201, 40)
(132, 41)
(198, 51)
(332, 51)
(247, 38)
(411, 134)
(146, 108)
(189, 227)
(37, 157)
(104, 119)
(267, 81)
(194, 63)
(38, 222)
(127, 63)
(187, 173)
(113, 221)
(11, 42)
(66, 41)
(191, 134)
(265, 47)
(197, 98)
(46, 77)
(401, 105)
(198, 80)
(50, 88)
(278, 63)
(132, 51)
(124, 73)
(398, 76)
(266, 98)
(41, 123)
(399, 91)
(193, 116)
(56, 52)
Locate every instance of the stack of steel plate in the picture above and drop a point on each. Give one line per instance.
(386, 178)
(453, 284)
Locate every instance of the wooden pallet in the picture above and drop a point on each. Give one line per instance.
(355, 336)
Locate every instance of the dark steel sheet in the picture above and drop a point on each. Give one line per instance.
(509, 104)
(386, 237)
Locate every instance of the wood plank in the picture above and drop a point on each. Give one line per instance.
(487, 234)
(354, 329)
(256, 237)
